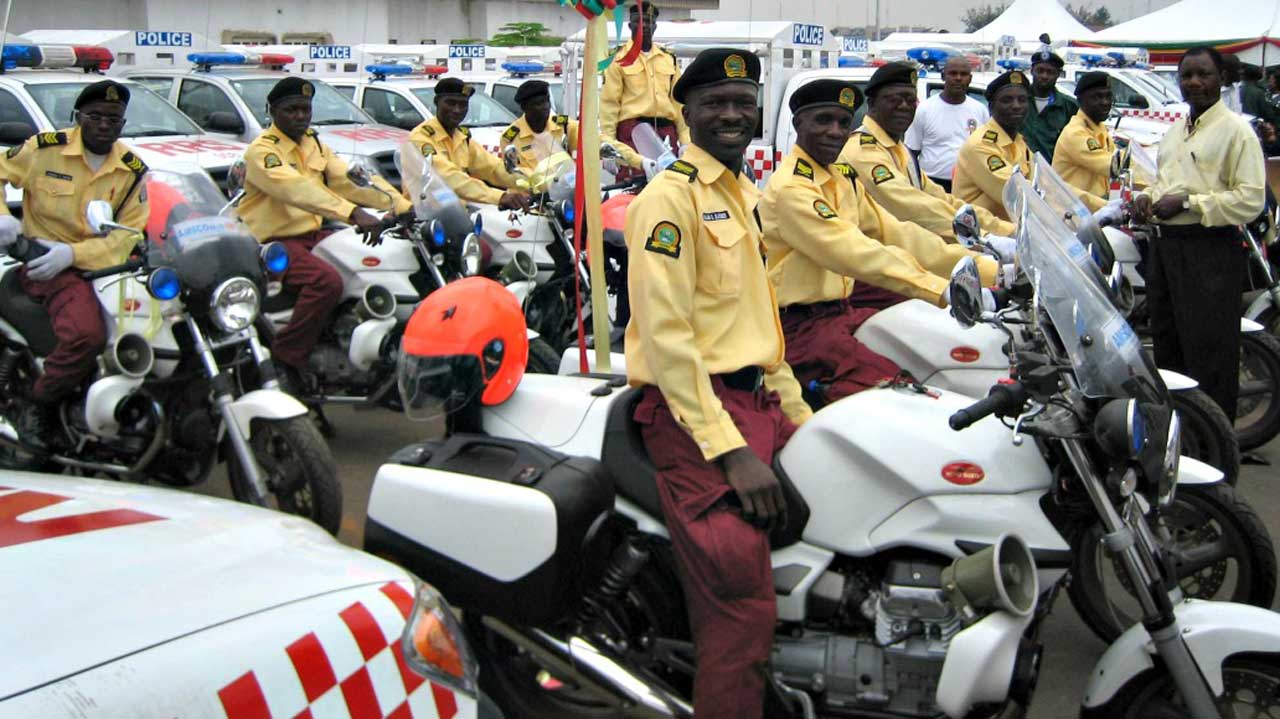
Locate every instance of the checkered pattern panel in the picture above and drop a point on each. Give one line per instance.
(1165, 115)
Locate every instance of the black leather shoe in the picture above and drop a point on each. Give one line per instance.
(291, 380)
(40, 427)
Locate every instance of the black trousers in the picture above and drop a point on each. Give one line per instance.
(1194, 282)
(941, 182)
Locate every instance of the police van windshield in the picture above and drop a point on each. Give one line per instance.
(147, 115)
(483, 111)
(328, 107)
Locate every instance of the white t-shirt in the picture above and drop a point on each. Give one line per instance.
(939, 130)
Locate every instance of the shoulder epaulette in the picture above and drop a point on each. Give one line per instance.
(431, 131)
(681, 167)
(311, 132)
(134, 163)
(990, 136)
(866, 139)
(51, 139)
(804, 169)
(667, 51)
(562, 120)
(847, 170)
(511, 133)
(466, 132)
(274, 139)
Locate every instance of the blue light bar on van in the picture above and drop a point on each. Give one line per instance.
(1014, 63)
(852, 62)
(1093, 60)
(22, 56)
(380, 71)
(929, 55)
(218, 58)
(523, 68)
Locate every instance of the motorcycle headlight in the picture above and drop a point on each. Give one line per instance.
(1120, 429)
(471, 256)
(565, 209)
(1172, 456)
(434, 645)
(234, 305)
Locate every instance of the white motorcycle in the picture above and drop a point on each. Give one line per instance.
(899, 592)
(164, 404)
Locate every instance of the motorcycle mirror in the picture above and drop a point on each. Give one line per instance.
(472, 254)
(967, 227)
(100, 217)
(236, 176)
(511, 159)
(1119, 163)
(358, 173)
(609, 152)
(966, 293)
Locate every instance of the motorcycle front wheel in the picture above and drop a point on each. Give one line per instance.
(1220, 549)
(1258, 413)
(1251, 688)
(301, 475)
(1207, 433)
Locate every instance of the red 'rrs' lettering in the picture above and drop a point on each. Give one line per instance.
(14, 505)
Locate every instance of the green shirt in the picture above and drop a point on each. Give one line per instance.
(1041, 129)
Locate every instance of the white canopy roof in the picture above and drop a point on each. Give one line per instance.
(1027, 19)
(1199, 21)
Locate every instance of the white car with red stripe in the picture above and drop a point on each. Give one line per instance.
(132, 601)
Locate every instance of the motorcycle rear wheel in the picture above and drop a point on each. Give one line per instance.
(1207, 434)
(542, 357)
(301, 474)
(1251, 688)
(1258, 414)
(1222, 552)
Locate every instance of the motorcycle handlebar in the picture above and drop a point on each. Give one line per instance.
(129, 266)
(1002, 398)
(25, 249)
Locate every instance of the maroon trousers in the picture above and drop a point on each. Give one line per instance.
(319, 289)
(821, 347)
(666, 130)
(722, 560)
(78, 326)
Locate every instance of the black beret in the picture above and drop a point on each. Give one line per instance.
(103, 91)
(821, 93)
(1049, 57)
(650, 9)
(453, 86)
(1013, 77)
(1091, 80)
(290, 87)
(894, 73)
(532, 89)
(717, 65)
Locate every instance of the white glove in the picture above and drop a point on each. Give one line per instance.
(651, 168)
(1111, 214)
(1006, 247)
(9, 229)
(47, 266)
(988, 300)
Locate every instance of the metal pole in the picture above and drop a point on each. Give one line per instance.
(4, 32)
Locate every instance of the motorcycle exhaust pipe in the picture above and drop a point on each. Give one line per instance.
(579, 660)
(130, 355)
(520, 268)
(377, 303)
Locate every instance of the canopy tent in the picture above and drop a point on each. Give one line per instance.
(1026, 20)
(1245, 28)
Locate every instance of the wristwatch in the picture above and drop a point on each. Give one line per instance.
(1186, 204)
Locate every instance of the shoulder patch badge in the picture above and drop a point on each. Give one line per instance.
(866, 139)
(683, 168)
(804, 169)
(995, 163)
(510, 134)
(271, 160)
(1092, 145)
(428, 150)
(12, 152)
(990, 136)
(881, 174)
(51, 139)
(664, 240)
(823, 209)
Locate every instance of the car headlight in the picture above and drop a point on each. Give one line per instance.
(234, 304)
(434, 645)
(1172, 456)
(471, 256)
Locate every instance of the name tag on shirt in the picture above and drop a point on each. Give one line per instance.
(713, 216)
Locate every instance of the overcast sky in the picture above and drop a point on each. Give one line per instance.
(943, 13)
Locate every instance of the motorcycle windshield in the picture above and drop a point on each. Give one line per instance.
(1105, 351)
(1065, 202)
(555, 176)
(185, 231)
(432, 198)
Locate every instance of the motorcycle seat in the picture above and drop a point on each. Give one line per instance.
(627, 462)
(27, 316)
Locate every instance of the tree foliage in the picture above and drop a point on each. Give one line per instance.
(1092, 18)
(524, 33)
(979, 17)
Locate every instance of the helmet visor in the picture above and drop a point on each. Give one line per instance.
(433, 387)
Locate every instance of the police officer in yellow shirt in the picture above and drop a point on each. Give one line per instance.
(1083, 153)
(986, 160)
(537, 134)
(890, 174)
(642, 91)
(473, 172)
(60, 173)
(823, 234)
(293, 183)
(705, 344)
(1212, 179)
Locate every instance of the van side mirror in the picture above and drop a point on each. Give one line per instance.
(15, 133)
(227, 122)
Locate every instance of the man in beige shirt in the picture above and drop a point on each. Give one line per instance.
(1211, 181)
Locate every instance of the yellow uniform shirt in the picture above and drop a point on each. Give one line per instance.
(822, 232)
(1083, 158)
(1218, 162)
(462, 163)
(985, 163)
(58, 184)
(893, 180)
(701, 303)
(641, 90)
(291, 187)
(560, 127)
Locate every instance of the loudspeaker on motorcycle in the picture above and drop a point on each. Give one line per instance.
(377, 303)
(1002, 576)
(130, 355)
(521, 267)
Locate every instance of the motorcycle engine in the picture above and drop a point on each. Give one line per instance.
(330, 361)
(892, 661)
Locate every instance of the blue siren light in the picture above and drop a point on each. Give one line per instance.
(163, 283)
(437, 234)
(523, 68)
(389, 69)
(852, 62)
(275, 257)
(22, 56)
(217, 58)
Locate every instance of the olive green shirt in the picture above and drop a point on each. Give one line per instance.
(1041, 129)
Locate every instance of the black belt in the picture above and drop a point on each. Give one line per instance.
(815, 308)
(655, 121)
(1225, 233)
(747, 379)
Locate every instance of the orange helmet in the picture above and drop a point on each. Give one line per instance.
(162, 201)
(464, 340)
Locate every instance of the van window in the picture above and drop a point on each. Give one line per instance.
(11, 110)
(390, 108)
(466, 64)
(345, 91)
(159, 85)
(1124, 94)
(788, 58)
(350, 67)
(125, 58)
(199, 100)
(164, 58)
(308, 67)
(506, 94)
(490, 64)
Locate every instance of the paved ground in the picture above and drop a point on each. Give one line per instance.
(365, 439)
